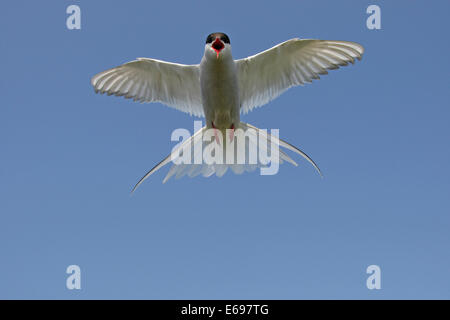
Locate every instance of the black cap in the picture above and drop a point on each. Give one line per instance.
(220, 35)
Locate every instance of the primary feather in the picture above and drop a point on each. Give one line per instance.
(150, 80)
(266, 75)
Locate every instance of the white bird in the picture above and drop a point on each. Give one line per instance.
(221, 88)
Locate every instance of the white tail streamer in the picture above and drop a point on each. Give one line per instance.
(194, 168)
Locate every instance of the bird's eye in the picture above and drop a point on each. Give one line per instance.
(209, 39)
(225, 39)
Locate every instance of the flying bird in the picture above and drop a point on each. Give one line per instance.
(221, 88)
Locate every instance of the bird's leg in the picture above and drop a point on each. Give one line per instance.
(215, 133)
(232, 132)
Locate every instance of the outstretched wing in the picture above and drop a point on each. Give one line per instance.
(150, 80)
(268, 74)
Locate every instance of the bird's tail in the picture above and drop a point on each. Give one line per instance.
(211, 151)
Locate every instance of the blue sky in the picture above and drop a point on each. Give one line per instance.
(378, 130)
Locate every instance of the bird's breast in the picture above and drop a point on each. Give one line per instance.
(220, 93)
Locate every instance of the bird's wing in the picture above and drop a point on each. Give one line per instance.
(268, 74)
(150, 80)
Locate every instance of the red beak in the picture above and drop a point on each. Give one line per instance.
(218, 46)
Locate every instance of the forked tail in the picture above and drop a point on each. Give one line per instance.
(204, 154)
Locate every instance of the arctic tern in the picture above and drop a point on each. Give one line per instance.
(221, 88)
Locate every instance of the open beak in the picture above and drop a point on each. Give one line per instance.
(218, 46)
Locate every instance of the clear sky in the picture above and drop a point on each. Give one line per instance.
(379, 130)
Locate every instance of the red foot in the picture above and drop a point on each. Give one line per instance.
(216, 134)
(232, 133)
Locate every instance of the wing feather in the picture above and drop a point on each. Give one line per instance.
(150, 80)
(266, 75)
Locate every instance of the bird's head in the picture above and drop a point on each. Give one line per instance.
(217, 45)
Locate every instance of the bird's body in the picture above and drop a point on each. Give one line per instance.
(221, 88)
(219, 91)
